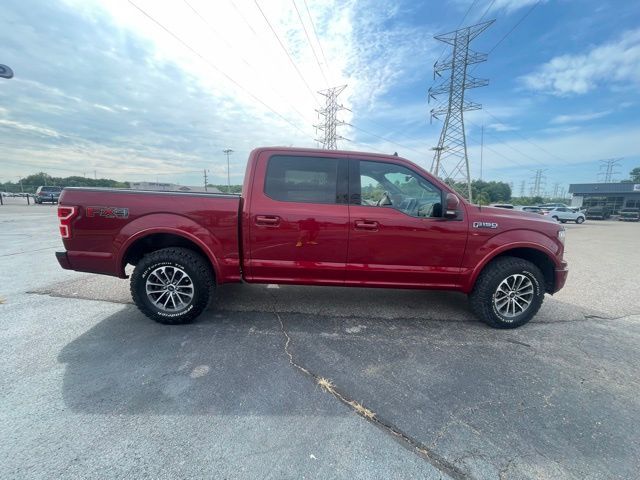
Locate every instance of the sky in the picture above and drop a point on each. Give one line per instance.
(143, 90)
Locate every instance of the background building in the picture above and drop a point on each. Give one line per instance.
(613, 195)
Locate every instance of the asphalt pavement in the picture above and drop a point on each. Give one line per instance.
(315, 382)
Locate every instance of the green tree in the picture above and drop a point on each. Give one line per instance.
(635, 175)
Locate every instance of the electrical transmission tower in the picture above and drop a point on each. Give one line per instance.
(538, 183)
(450, 160)
(522, 187)
(556, 189)
(329, 112)
(606, 169)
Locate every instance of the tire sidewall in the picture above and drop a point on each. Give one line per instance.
(168, 317)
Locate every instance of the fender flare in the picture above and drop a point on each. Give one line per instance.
(469, 284)
(140, 234)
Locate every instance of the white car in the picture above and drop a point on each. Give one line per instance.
(565, 214)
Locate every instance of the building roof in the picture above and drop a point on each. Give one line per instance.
(593, 188)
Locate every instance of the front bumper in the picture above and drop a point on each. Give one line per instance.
(63, 260)
(561, 276)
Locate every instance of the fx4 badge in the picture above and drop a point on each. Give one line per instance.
(485, 225)
(107, 212)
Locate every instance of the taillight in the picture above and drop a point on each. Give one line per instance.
(65, 215)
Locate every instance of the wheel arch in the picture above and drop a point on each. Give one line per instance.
(155, 239)
(538, 255)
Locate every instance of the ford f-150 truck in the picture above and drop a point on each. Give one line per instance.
(315, 217)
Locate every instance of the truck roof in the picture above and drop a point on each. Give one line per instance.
(343, 153)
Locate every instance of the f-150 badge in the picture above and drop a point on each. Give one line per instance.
(107, 212)
(485, 225)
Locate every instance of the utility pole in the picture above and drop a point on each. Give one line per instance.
(606, 169)
(227, 152)
(522, 187)
(450, 160)
(204, 173)
(330, 123)
(556, 189)
(538, 183)
(482, 151)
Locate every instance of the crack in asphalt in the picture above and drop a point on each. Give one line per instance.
(413, 444)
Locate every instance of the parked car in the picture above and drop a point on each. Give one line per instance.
(598, 213)
(47, 194)
(564, 215)
(629, 215)
(531, 209)
(502, 205)
(554, 205)
(314, 217)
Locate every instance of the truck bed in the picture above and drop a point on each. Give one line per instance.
(110, 221)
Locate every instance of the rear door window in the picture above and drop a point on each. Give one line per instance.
(306, 179)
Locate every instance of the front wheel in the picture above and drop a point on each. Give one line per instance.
(508, 293)
(172, 285)
(579, 220)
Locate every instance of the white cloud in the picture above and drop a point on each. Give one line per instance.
(579, 117)
(122, 82)
(616, 62)
(502, 127)
(512, 5)
(29, 128)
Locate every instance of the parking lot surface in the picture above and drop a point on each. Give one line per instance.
(306, 382)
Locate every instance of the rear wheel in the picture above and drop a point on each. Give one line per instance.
(508, 293)
(172, 285)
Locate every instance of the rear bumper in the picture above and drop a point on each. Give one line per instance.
(63, 260)
(561, 276)
(90, 262)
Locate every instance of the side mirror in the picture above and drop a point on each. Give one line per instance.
(452, 203)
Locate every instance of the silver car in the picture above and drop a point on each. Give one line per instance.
(564, 214)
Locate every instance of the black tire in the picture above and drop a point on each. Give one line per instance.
(579, 220)
(555, 218)
(200, 276)
(481, 298)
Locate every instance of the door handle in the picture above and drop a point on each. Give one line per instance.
(268, 220)
(366, 225)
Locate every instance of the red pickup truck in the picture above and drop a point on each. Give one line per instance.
(315, 217)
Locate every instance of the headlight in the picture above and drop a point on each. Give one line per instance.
(561, 235)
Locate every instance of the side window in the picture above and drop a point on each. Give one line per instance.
(387, 185)
(303, 179)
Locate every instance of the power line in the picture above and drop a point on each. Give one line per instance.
(286, 51)
(213, 66)
(529, 140)
(315, 32)
(487, 10)
(231, 47)
(516, 25)
(306, 34)
(508, 145)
